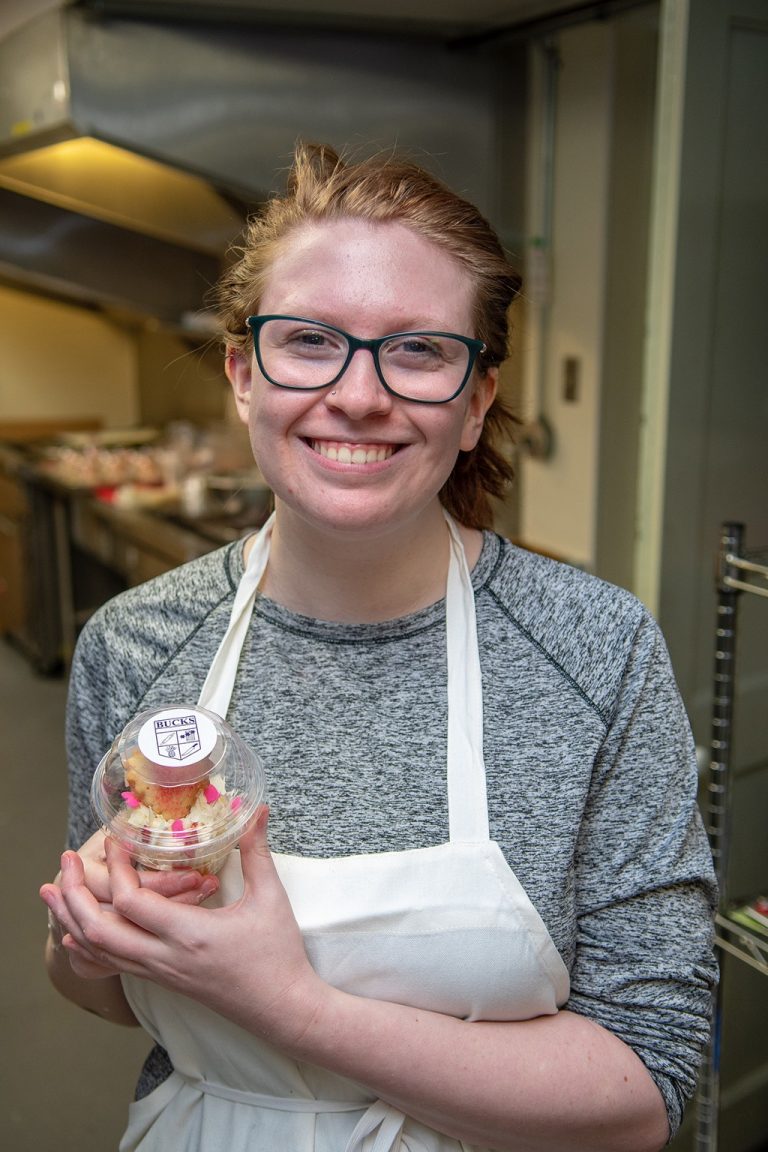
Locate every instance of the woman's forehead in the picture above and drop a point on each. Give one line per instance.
(371, 263)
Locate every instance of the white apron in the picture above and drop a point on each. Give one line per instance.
(447, 928)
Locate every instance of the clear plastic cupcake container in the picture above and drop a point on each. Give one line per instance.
(177, 789)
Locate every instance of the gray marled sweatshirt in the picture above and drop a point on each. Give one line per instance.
(590, 764)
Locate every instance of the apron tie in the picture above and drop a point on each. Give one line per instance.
(386, 1124)
(379, 1120)
(279, 1103)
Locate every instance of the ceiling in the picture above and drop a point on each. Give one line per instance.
(447, 16)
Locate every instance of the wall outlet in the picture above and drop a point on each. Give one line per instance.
(571, 379)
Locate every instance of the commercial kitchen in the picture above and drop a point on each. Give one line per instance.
(618, 150)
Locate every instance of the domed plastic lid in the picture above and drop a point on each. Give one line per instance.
(177, 788)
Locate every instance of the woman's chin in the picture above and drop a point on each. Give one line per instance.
(350, 515)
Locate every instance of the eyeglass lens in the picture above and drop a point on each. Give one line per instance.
(415, 365)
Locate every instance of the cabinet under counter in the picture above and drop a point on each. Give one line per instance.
(113, 548)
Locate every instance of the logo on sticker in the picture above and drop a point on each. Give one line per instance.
(177, 735)
(177, 738)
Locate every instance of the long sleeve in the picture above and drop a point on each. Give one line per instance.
(644, 964)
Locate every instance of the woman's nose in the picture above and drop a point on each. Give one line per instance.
(360, 392)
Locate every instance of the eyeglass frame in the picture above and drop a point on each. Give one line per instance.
(474, 348)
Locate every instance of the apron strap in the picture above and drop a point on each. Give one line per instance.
(467, 799)
(277, 1103)
(216, 692)
(381, 1121)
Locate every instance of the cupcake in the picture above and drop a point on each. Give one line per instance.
(177, 788)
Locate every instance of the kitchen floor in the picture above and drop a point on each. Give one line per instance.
(65, 1076)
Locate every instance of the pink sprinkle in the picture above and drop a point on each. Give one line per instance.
(211, 794)
(131, 800)
(177, 826)
(236, 802)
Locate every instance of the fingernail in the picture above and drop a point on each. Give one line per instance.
(207, 889)
(66, 861)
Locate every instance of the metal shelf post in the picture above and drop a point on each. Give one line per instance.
(735, 574)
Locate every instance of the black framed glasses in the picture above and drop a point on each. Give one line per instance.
(426, 367)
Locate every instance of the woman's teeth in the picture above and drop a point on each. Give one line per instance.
(352, 453)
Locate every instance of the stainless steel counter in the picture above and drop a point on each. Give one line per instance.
(77, 550)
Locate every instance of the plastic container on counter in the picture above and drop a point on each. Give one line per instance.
(177, 788)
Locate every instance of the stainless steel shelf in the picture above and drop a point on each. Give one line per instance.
(753, 574)
(748, 944)
(739, 571)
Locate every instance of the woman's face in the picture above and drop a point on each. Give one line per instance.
(370, 280)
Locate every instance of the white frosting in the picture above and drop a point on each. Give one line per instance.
(202, 814)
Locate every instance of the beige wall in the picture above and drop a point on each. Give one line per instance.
(58, 361)
(178, 380)
(579, 501)
(559, 493)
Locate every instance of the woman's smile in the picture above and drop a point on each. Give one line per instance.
(344, 452)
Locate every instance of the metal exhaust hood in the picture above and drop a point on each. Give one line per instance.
(131, 150)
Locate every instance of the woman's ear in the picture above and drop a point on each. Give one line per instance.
(482, 396)
(238, 369)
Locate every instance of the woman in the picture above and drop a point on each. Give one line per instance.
(513, 952)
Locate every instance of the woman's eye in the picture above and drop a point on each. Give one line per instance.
(414, 348)
(312, 340)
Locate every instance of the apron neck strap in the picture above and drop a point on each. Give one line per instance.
(217, 690)
(467, 801)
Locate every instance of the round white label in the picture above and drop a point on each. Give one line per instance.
(177, 736)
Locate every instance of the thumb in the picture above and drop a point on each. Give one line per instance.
(72, 870)
(254, 848)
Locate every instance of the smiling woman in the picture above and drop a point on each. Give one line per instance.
(482, 781)
(379, 191)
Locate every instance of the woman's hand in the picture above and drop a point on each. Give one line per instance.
(246, 960)
(182, 885)
(88, 867)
